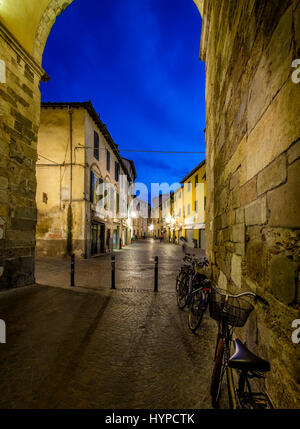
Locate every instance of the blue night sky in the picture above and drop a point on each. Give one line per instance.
(138, 62)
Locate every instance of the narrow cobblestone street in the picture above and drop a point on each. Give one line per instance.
(90, 347)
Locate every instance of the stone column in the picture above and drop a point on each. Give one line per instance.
(19, 121)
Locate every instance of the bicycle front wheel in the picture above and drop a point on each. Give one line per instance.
(216, 379)
(197, 308)
(182, 289)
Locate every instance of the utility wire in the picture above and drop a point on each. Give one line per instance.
(145, 151)
(158, 151)
(50, 160)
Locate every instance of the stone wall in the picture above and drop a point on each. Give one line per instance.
(253, 150)
(23, 34)
(19, 120)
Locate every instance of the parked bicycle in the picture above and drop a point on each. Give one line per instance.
(193, 288)
(233, 311)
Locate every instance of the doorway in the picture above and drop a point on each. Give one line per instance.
(97, 238)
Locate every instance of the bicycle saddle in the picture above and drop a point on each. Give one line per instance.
(243, 359)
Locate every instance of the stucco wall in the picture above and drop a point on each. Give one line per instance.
(54, 181)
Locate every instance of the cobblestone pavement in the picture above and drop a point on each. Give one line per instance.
(90, 347)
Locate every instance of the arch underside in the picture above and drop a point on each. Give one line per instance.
(52, 11)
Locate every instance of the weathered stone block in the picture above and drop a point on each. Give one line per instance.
(3, 210)
(283, 279)
(283, 202)
(3, 183)
(240, 216)
(294, 152)
(239, 249)
(257, 261)
(238, 233)
(248, 192)
(222, 281)
(236, 270)
(23, 224)
(272, 176)
(272, 71)
(266, 142)
(235, 179)
(256, 212)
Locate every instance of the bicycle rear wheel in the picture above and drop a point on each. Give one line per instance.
(196, 310)
(216, 379)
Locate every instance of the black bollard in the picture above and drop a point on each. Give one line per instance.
(156, 274)
(73, 270)
(113, 272)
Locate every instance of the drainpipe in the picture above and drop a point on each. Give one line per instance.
(71, 153)
(70, 213)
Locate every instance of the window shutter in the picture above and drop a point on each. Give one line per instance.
(96, 145)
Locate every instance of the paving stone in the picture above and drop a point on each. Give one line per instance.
(90, 347)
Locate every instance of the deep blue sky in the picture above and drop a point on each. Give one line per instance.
(138, 61)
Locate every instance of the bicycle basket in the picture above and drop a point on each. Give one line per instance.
(237, 309)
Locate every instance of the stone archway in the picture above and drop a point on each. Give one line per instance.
(24, 29)
(252, 140)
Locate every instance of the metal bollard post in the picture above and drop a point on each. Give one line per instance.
(156, 274)
(73, 270)
(113, 272)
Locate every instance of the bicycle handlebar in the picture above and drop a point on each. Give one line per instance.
(248, 293)
(262, 300)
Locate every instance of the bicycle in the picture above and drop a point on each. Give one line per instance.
(193, 288)
(182, 280)
(233, 311)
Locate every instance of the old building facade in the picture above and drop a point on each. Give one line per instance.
(194, 205)
(76, 158)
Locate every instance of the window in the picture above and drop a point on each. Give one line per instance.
(196, 179)
(96, 145)
(117, 171)
(189, 186)
(204, 203)
(107, 160)
(179, 195)
(189, 209)
(45, 198)
(179, 213)
(196, 206)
